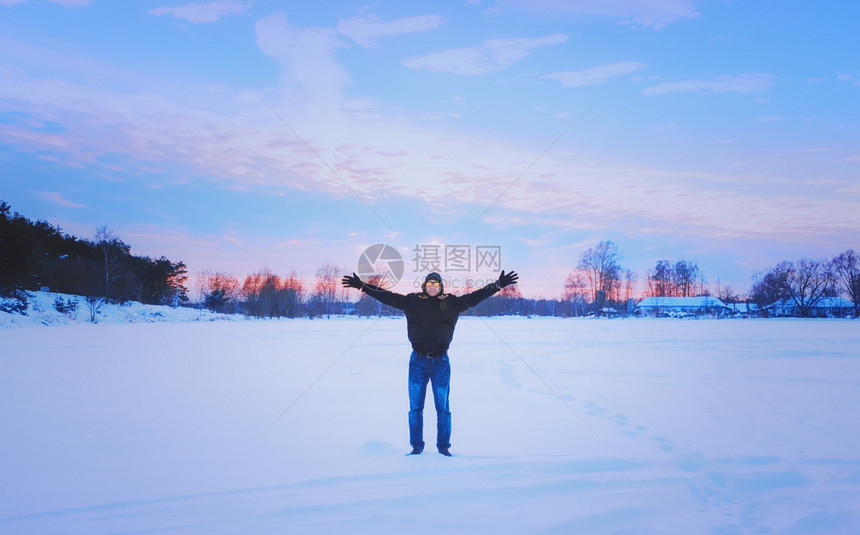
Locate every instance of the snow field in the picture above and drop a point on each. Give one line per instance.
(658, 426)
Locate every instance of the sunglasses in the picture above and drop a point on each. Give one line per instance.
(434, 283)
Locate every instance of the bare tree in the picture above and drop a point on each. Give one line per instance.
(685, 275)
(575, 290)
(94, 305)
(269, 296)
(291, 295)
(366, 305)
(673, 280)
(726, 294)
(509, 301)
(512, 292)
(218, 291)
(629, 281)
(806, 283)
(325, 288)
(846, 271)
(113, 251)
(770, 287)
(252, 291)
(660, 280)
(601, 267)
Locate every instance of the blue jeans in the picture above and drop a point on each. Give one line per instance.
(436, 370)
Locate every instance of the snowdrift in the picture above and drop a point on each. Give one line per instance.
(42, 311)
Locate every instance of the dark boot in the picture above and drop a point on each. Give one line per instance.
(444, 451)
(416, 450)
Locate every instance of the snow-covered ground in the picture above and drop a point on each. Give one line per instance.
(41, 310)
(627, 427)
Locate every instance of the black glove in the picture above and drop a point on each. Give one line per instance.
(352, 282)
(506, 279)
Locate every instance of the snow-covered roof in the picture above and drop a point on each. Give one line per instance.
(681, 302)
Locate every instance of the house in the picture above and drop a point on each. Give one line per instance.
(826, 307)
(682, 307)
(744, 310)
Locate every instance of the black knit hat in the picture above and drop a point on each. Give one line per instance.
(433, 277)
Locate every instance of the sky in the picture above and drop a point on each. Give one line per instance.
(235, 135)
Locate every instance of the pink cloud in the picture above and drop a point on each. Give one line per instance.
(237, 139)
(489, 56)
(653, 13)
(64, 3)
(364, 31)
(72, 3)
(55, 197)
(741, 83)
(596, 75)
(202, 12)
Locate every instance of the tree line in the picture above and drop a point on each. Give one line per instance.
(806, 283)
(36, 255)
(265, 294)
(600, 282)
(598, 285)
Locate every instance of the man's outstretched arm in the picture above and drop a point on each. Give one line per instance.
(471, 299)
(380, 294)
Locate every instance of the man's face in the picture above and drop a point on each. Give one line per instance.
(432, 288)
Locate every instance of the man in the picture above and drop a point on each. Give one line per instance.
(430, 319)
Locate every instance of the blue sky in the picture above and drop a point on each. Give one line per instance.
(725, 133)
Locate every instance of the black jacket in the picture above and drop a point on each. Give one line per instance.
(430, 321)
